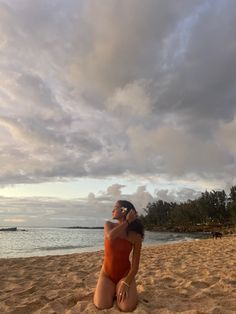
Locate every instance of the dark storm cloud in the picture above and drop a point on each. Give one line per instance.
(203, 82)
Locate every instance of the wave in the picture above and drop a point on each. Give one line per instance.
(67, 247)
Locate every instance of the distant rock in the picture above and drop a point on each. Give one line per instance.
(9, 229)
(83, 227)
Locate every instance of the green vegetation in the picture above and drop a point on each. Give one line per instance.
(213, 210)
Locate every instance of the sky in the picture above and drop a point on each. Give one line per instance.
(106, 100)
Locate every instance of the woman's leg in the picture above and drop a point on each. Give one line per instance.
(104, 293)
(130, 303)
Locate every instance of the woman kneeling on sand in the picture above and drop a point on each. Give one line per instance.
(117, 277)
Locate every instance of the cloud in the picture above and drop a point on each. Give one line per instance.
(92, 210)
(115, 190)
(227, 134)
(117, 89)
(123, 41)
(131, 100)
(177, 152)
(177, 196)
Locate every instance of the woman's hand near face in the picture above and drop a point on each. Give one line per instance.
(131, 216)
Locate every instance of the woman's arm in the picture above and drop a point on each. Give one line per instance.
(112, 233)
(125, 283)
(135, 259)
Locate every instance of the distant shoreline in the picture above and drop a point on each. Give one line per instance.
(82, 227)
(153, 228)
(192, 229)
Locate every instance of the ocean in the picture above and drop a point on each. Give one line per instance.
(56, 241)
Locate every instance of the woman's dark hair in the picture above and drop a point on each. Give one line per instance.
(135, 225)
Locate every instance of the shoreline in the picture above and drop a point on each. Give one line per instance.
(225, 229)
(101, 248)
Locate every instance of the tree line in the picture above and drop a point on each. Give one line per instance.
(212, 209)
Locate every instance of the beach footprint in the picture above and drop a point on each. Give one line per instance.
(200, 284)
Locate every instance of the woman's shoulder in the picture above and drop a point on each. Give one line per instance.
(109, 223)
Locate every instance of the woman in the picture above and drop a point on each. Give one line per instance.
(117, 276)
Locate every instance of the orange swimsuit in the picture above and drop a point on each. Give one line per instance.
(116, 258)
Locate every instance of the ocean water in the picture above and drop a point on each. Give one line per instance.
(57, 241)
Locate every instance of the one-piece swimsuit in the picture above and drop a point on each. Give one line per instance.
(116, 258)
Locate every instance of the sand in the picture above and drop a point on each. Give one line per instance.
(188, 277)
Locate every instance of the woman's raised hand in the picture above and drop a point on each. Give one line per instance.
(131, 216)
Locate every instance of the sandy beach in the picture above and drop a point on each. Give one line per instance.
(188, 277)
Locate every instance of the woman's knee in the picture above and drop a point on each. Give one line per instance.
(124, 307)
(104, 293)
(102, 303)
